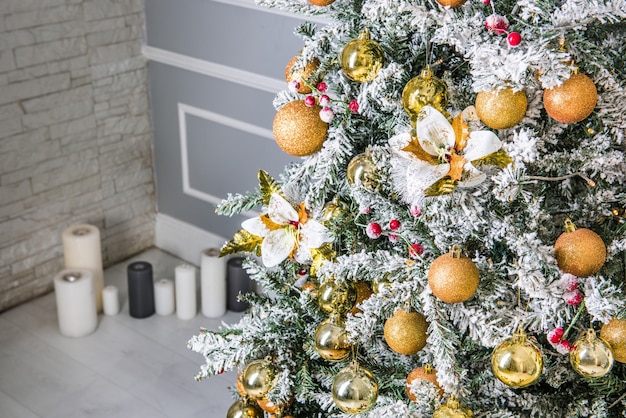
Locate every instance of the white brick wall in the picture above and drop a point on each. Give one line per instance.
(75, 139)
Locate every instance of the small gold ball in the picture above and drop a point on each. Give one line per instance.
(336, 297)
(298, 129)
(591, 356)
(331, 340)
(363, 292)
(424, 90)
(406, 332)
(453, 279)
(452, 409)
(258, 378)
(452, 3)
(614, 333)
(362, 59)
(501, 108)
(573, 100)
(426, 373)
(302, 74)
(362, 171)
(517, 362)
(580, 252)
(243, 409)
(354, 390)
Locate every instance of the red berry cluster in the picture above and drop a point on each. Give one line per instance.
(374, 230)
(555, 337)
(499, 25)
(318, 97)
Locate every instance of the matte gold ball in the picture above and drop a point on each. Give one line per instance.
(573, 100)
(338, 297)
(362, 172)
(591, 356)
(614, 333)
(354, 390)
(426, 373)
(424, 90)
(303, 73)
(243, 409)
(517, 362)
(580, 251)
(258, 378)
(362, 58)
(451, 3)
(406, 332)
(501, 108)
(331, 340)
(453, 278)
(298, 129)
(452, 409)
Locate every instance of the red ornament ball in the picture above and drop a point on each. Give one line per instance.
(514, 39)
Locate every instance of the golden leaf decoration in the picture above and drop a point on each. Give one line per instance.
(303, 216)
(498, 159)
(444, 185)
(415, 148)
(461, 132)
(243, 241)
(269, 224)
(268, 186)
(456, 166)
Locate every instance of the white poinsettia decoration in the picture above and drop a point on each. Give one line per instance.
(286, 232)
(442, 154)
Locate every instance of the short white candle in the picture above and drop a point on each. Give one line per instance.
(185, 277)
(164, 297)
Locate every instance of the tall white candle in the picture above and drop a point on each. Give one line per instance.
(110, 300)
(164, 297)
(76, 302)
(185, 277)
(81, 249)
(213, 283)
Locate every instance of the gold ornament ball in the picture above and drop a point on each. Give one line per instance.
(452, 409)
(380, 282)
(517, 362)
(363, 292)
(339, 297)
(406, 332)
(426, 373)
(614, 333)
(424, 90)
(572, 101)
(501, 108)
(362, 58)
(331, 340)
(362, 172)
(333, 210)
(452, 277)
(302, 74)
(354, 390)
(579, 251)
(258, 378)
(298, 129)
(452, 3)
(243, 409)
(591, 356)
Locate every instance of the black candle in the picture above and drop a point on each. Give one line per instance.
(238, 282)
(140, 289)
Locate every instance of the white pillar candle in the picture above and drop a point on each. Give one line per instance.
(76, 302)
(110, 300)
(164, 297)
(81, 249)
(213, 283)
(185, 291)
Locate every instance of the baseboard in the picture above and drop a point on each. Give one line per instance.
(184, 240)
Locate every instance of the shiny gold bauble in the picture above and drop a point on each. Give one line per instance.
(258, 378)
(406, 332)
(363, 292)
(333, 210)
(452, 277)
(311, 287)
(591, 356)
(338, 297)
(269, 406)
(573, 100)
(426, 373)
(354, 390)
(362, 58)
(243, 409)
(380, 282)
(501, 108)
(302, 74)
(517, 362)
(614, 333)
(331, 340)
(424, 90)
(452, 3)
(579, 251)
(362, 172)
(298, 129)
(452, 409)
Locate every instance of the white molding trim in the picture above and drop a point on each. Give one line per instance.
(212, 69)
(183, 111)
(184, 240)
(251, 4)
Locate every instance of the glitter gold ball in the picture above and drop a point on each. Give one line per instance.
(303, 73)
(580, 252)
(501, 108)
(363, 292)
(614, 333)
(517, 362)
(453, 278)
(591, 356)
(362, 58)
(243, 409)
(354, 390)
(298, 129)
(331, 340)
(573, 100)
(451, 3)
(424, 373)
(406, 332)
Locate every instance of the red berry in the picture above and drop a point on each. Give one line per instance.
(324, 100)
(566, 345)
(486, 1)
(321, 86)
(353, 106)
(514, 39)
(373, 230)
(574, 297)
(394, 224)
(416, 250)
(416, 211)
(309, 101)
(302, 272)
(497, 23)
(555, 335)
(393, 237)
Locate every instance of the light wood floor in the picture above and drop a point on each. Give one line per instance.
(127, 368)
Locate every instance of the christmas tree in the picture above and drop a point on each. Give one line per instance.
(452, 241)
